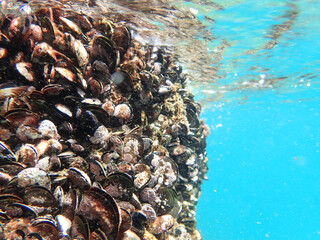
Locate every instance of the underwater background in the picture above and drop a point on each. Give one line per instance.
(263, 112)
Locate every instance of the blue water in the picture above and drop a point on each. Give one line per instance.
(264, 159)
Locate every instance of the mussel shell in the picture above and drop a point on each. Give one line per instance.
(12, 168)
(130, 235)
(86, 125)
(142, 175)
(139, 220)
(149, 212)
(52, 89)
(8, 199)
(110, 157)
(58, 194)
(46, 227)
(70, 26)
(115, 144)
(33, 177)
(48, 29)
(25, 70)
(123, 81)
(163, 224)
(64, 225)
(98, 234)
(119, 185)
(22, 116)
(39, 196)
(171, 173)
(126, 167)
(12, 187)
(97, 205)
(190, 141)
(122, 115)
(102, 49)
(5, 150)
(35, 236)
(126, 220)
(95, 87)
(69, 204)
(132, 148)
(4, 178)
(20, 210)
(3, 218)
(121, 38)
(98, 112)
(168, 200)
(79, 178)
(100, 71)
(97, 171)
(80, 228)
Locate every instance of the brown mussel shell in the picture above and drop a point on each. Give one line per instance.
(39, 196)
(121, 38)
(119, 185)
(97, 205)
(102, 49)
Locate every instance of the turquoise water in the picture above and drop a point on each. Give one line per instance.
(264, 114)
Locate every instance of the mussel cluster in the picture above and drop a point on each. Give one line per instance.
(99, 136)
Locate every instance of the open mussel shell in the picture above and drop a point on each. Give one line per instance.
(97, 205)
(119, 185)
(102, 49)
